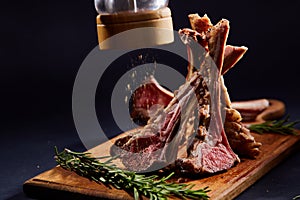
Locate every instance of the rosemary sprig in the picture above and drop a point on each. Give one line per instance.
(152, 187)
(296, 197)
(283, 127)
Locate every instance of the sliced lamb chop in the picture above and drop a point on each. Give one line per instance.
(239, 137)
(145, 97)
(214, 153)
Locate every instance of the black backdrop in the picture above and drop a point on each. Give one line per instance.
(43, 43)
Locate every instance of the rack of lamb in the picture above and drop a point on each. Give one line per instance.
(195, 130)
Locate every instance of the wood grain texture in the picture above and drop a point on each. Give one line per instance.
(59, 183)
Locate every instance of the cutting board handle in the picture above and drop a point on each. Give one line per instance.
(276, 110)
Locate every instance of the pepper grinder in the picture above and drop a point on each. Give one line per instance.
(131, 16)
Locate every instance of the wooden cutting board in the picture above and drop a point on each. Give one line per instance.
(58, 183)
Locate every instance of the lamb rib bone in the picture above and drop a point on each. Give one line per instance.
(206, 156)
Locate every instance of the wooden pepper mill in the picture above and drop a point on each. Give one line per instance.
(137, 28)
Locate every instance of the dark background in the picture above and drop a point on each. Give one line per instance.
(42, 45)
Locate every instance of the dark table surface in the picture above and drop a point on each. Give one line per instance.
(28, 151)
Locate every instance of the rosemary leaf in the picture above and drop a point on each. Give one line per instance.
(296, 197)
(283, 127)
(137, 184)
